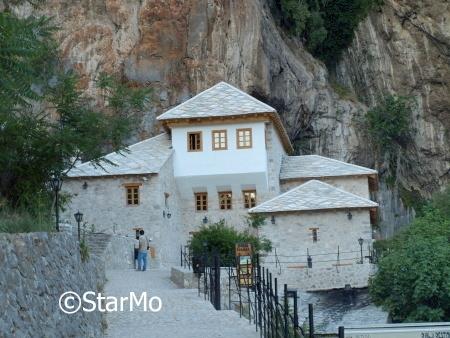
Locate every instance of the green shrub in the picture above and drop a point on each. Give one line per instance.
(388, 123)
(19, 220)
(326, 27)
(220, 238)
(84, 251)
(413, 277)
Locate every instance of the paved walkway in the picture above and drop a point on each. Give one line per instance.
(184, 314)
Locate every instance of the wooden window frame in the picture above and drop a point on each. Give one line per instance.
(237, 138)
(226, 204)
(314, 234)
(188, 141)
(244, 192)
(213, 139)
(132, 186)
(197, 194)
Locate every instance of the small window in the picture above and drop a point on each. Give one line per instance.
(244, 138)
(249, 199)
(132, 194)
(195, 141)
(225, 200)
(314, 233)
(219, 139)
(201, 201)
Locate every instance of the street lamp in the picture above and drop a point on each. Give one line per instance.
(56, 184)
(79, 218)
(361, 241)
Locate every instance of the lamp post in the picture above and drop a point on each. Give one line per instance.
(79, 218)
(361, 241)
(56, 183)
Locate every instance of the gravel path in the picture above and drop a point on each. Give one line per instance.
(183, 315)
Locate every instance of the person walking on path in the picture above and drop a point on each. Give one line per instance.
(142, 254)
(136, 251)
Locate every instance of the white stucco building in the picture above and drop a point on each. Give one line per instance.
(224, 155)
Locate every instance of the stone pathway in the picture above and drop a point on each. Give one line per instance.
(184, 314)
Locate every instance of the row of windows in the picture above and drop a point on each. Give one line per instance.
(225, 200)
(201, 198)
(220, 139)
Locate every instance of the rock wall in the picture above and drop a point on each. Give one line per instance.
(182, 47)
(404, 48)
(35, 269)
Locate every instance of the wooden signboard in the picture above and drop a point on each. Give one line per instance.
(243, 252)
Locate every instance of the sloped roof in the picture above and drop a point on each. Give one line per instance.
(310, 166)
(221, 100)
(145, 157)
(313, 195)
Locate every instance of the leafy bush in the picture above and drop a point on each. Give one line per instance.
(413, 277)
(220, 238)
(295, 14)
(84, 251)
(388, 123)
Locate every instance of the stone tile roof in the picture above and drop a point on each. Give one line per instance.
(310, 166)
(220, 100)
(313, 195)
(145, 157)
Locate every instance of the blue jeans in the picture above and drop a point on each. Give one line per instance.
(142, 260)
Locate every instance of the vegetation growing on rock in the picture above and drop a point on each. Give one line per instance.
(326, 27)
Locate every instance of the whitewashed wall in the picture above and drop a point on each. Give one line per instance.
(219, 162)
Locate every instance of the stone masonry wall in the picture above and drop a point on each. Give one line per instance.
(35, 269)
(291, 236)
(103, 204)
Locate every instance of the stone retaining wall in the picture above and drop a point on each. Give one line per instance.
(35, 269)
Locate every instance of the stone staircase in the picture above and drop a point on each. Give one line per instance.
(97, 243)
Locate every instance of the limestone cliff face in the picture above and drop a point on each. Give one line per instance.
(182, 47)
(405, 49)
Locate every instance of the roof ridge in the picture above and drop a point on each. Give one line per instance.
(190, 99)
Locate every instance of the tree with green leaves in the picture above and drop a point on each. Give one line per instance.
(46, 122)
(413, 278)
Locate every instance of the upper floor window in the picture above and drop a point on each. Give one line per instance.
(132, 194)
(249, 199)
(219, 139)
(244, 138)
(195, 141)
(225, 199)
(201, 201)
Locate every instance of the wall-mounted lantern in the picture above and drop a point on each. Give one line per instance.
(205, 220)
(272, 219)
(79, 218)
(169, 214)
(85, 185)
(349, 215)
(360, 242)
